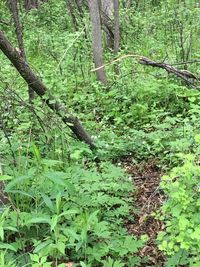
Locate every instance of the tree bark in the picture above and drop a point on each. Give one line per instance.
(19, 33)
(116, 27)
(107, 15)
(29, 4)
(185, 75)
(37, 85)
(106, 23)
(96, 40)
(108, 7)
(116, 31)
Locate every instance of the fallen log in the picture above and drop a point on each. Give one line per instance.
(39, 87)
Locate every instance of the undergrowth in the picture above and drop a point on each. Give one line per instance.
(67, 204)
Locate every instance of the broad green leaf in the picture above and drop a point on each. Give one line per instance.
(36, 220)
(68, 212)
(93, 217)
(48, 202)
(11, 228)
(61, 247)
(7, 246)
(15, 182)
(55, 177)
(5, 177)
(42, 245)
(51, 162)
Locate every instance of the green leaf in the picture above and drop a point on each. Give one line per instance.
(15, 182)
(55, 177)
(51, 162)
(35, 257)
(11, 228)
(58, 202)
(21, 193)
(36, 220)
(48, 202)
(54, 222)
(1, 232)
(83, 264)
(5, 177)
(93, 217)
(196, 234)
(61, 247)
(76, 155)
(183, 222)
(68, 212)
(71, 233)
(36, 152)
(42, 245)
(7, 246)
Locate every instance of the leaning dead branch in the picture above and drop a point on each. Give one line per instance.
(40, 88)
(185, 75)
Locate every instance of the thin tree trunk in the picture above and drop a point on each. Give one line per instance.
(72, 15)
(19, 34)
(107, 15)
(29, 4)
(116, 31)
(116, 23)
(96, 40)
(37, 85)
(106, 24)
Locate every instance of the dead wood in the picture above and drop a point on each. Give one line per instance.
(39, 87)
(183, 74)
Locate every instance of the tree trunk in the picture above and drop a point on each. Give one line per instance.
(107, 15)
(106, 23)
(108, 7)
(29, 4)
(116, 23)
(116, 31)
(37, 85)
(96, 40)
(19, 33)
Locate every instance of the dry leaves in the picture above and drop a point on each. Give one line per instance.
(147, 200)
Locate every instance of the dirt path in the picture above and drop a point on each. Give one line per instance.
(148, 198)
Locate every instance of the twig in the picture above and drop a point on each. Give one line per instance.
(5, 22)
(115, 60)
(9, 142)
(186, 62)
(66, 50)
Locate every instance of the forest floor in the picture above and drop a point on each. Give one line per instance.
(147, 200)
